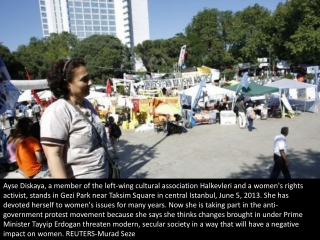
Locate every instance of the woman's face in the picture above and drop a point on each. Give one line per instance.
(79, 87)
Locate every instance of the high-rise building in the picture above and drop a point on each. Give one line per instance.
(127, 20)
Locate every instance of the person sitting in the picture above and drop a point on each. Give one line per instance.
(11, 151)
(28, 151)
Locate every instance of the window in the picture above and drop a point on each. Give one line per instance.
(73, 28)
(110, 1)
(89, 28)
(72, 16)
(45, 26)
(44, 15)
(103, 16)
(44, 20)
(103, 5)
(78, 10)
(86, 4)
(79, 16)
(110, 5)
(94, 5)
(96, 28)
(95, 16)
(42, 3)
(105, 29)
(103, 11)
(43, 8)
(81, 34)
(96, 22)
(88, 22)
(111, 11)
(87, 10)
(46, 32)
(95, 10)
(87, 16)
(112, 23)
(104, 23)
(72, 22)
(112, 17)
(70, 4)
(77, 4)
(80, 28)
(79, 22)
(71, 10)
(112, 29)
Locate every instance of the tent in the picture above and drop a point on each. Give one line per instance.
(254, 89)
(26, 96)
(298, 93)
(211, 91)
(30, 84)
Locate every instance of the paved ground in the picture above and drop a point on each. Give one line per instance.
(220, 151)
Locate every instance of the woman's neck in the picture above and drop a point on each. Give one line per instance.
(77, 101)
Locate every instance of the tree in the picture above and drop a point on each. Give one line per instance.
(248, 37)
(105, 55)
(39, 54)
(296, 26)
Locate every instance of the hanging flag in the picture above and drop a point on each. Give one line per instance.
(9, 94)
(132, 90)
(245, 81)
(34, 93)
(108, 87)
(182, 56)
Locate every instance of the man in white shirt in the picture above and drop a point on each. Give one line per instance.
(280, 151)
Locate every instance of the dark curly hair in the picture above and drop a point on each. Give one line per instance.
(62, 72)
(23, 126)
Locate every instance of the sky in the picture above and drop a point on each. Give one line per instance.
(20, 19)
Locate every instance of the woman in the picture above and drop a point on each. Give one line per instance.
(250, 120)
(11, 150)
(28, 151)
(71, 145)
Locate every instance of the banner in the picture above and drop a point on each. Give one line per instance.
(9, 94)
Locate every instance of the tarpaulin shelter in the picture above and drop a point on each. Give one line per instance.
(298, 93)
(254, 89)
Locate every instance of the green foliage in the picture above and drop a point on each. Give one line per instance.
(105, 56)
(229, 74)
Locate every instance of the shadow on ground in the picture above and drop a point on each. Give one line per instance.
(304, 165)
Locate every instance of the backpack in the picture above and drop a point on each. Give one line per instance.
(252, 115)
(116, 131)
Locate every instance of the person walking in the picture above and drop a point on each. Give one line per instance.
(250, 116)
(37, 109)
(10, 115)
(241, 113)
(114, 134)
(280, 151)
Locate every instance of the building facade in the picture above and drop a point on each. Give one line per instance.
(127, 20)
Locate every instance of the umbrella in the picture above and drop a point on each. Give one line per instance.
(165, 108)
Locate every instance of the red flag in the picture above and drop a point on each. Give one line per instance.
(108, 88)
(34, 93)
